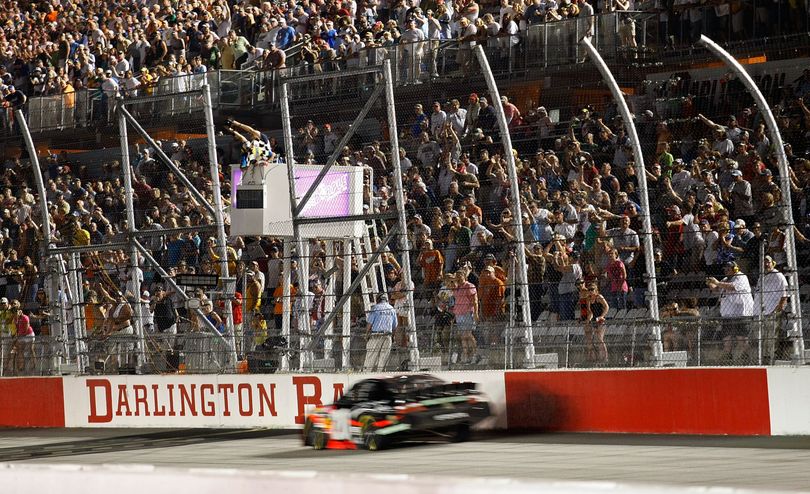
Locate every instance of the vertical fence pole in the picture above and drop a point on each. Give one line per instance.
(330, 296)
(77, 301)
(346, 328)
(646, 224)
(522, 292)
(303, 265)
(227, 284)
(760, 301)
(52, 283)
(134, 256)
(286, 303)
(795, 320)
(404, 245)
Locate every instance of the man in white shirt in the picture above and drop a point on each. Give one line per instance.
(771, 297)
(481, 236)
(457, 116)
(625, 240)
(466, 38)
(736, 305)
(121, 67)
(412, 40)
(437, 119)
(131, 85)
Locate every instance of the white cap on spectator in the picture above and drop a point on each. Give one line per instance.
(740, 223)
(736, 173)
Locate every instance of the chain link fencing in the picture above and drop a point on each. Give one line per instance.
(455, 182)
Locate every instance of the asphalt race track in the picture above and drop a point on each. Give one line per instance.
(753, 463)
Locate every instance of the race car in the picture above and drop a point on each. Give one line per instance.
(380, 412)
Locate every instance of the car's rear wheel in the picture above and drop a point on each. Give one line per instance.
(307, 433)
(375, 442)
(461, 433)
(319, 439)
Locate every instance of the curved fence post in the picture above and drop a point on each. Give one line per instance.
(521, 277)
(795, 324)
(646, 224)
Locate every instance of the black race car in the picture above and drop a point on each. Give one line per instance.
(377, 413)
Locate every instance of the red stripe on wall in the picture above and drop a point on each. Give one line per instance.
(32, 402)
(664, 401)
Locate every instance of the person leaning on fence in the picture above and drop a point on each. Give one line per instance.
(382, 322)
(771, 297)
(736, 303)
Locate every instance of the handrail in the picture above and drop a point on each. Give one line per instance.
(540, 45)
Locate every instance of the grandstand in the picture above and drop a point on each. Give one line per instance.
(715, 190)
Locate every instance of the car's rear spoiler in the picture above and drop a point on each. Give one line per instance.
(442, 390)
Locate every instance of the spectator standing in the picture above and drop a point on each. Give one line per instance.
(399, 295)
(739, 194)
(381, 323)
(571, 273)
(625, 240)
(771, 300)
(467, 314)
(491, 292)
(589, 296)
(165, 317)
(736, 304)
(431, 261)
(278, 298)
(437, 119)
(24, 356)
(253, 296)
(6, 334)
(617, 281)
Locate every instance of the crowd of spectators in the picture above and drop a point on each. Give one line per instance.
(714, 204)
(714, 201)
(130, 48)
(715, 190)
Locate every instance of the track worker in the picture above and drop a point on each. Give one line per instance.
(382, 322)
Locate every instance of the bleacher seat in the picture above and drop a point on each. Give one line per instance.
(547, 360)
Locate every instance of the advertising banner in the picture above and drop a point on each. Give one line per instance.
(269, 400)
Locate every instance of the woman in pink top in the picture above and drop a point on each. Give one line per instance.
(466, 312)
(23, 343)
(617, 281)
